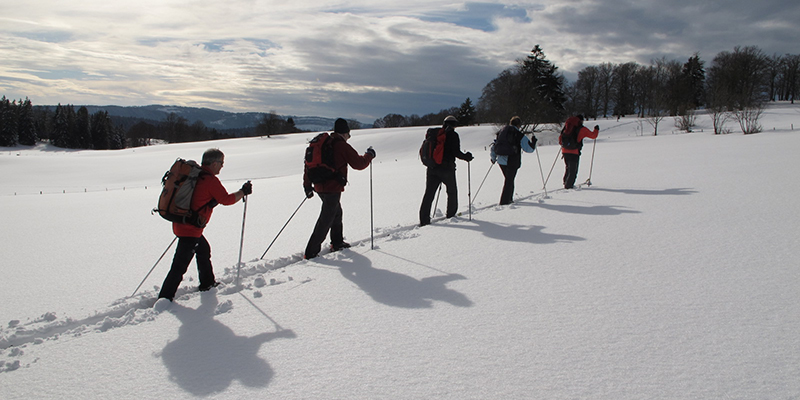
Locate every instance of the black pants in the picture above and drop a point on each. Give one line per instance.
(188, 247)
(507, 197)
(433, 178)
(571, 162)
(330, 219)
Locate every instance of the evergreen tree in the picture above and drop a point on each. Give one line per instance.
(543, 89)
(693, 79)
(8, 123)
(82, 133)
(27, 124)
(101, 130)
(466, 113)
(60, 133)
(533, 90)
(73, 137)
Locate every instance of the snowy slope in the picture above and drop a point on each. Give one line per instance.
(673, 276)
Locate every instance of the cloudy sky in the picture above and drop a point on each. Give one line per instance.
(356, 59)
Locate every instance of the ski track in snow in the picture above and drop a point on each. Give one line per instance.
(128, 311)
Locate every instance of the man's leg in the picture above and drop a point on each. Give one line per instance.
(571, 161)
(449, 180)
(510, 173)
(180, 263)
(327, 214)
(205, 270)
(432, 183)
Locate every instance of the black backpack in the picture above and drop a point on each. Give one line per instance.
(431, 153)
(569, 139)
(319, 160)
(503, 144)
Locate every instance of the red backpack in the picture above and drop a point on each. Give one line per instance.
(319, 164)
(431, 152)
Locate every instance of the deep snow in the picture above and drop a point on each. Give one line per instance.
(672, 276)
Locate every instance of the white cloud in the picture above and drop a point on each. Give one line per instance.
(347, 57)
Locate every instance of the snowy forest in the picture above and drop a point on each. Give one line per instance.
(735, 86)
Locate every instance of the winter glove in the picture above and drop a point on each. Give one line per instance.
(247, 188)
(468, 157)
(533, 141)
(597, 127)
(309, 191)
(371, 151)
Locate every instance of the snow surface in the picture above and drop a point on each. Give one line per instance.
(674, 276)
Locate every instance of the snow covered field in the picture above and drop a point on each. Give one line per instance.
(674, 276)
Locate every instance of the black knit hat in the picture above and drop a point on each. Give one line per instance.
(340, 126)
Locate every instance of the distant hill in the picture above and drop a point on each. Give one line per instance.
(220, 120)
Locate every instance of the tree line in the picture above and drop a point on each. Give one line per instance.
(63, 126)
(735, 86)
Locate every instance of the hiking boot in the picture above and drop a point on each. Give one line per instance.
(339, 246)
(310, 256)
(206, 288)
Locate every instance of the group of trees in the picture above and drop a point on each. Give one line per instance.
(466, 115)
(21, 123)
(533, 89)
(274, 124)
(17, 124)
(736, 85)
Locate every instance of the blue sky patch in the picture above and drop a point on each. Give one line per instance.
(479, 15)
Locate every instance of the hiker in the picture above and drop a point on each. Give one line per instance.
(571, 141)
(191, 243)
(507, 151)
(444, 173)
(330, 191)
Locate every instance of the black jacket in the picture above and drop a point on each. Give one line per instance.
(452, 149)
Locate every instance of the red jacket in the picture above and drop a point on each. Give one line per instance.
(582, 134)
(343, 155)
(208, 190)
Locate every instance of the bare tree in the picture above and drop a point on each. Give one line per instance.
(686, 119)
(748, 119)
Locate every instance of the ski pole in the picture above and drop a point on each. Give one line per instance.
(371, 220)
(437, 200)
(551, 168)
(484, 180)
(284, 227)
(591, 165)
(241, 241)
(154, 266)
(541, 172)
(469, 189)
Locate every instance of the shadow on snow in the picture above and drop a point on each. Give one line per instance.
(208, 356)
(395, 289)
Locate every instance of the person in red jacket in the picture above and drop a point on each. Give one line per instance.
(572, 153)
(330, 191)
(191, 243)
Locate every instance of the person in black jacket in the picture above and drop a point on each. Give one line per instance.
(507, 151)
(444, 173)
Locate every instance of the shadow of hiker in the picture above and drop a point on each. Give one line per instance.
(207, 355)
(395, 289)
(648, 192)
(573, 209)
(533, 234)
